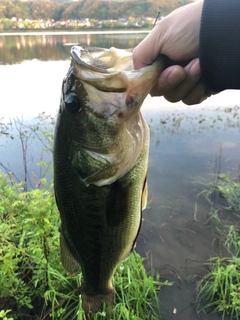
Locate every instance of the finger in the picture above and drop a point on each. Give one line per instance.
(193, 76)
(197, 94)
(169, 79)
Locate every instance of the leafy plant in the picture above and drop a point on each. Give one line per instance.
(3, 315)
(29, 242)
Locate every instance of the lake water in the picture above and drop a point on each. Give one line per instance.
(187, 143)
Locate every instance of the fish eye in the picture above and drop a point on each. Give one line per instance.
(72, 103)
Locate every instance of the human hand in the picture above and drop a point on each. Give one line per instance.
(177, 83)
(177, 37)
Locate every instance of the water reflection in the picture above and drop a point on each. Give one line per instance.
(16, 48)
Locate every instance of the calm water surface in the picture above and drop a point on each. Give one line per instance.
(187, 143)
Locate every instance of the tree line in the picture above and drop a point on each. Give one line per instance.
(92, 9)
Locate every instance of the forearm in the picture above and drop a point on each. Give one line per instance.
(219, 49)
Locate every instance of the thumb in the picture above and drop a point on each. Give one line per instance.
(147, 51)
(176, 36)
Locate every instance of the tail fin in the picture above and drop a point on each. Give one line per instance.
(94, 303)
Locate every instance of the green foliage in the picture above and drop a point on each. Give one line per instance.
(82, 9)
(220, 287)
(223, 194)
(29, 242)
(232, 242)
(30, 269)
(3, 315)
(6, 23)
(230, 190)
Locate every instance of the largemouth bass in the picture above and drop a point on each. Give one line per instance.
(101, 149)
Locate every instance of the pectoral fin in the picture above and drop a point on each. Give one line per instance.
(68, 261)
(92, 167)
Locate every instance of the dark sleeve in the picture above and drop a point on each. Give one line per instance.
(219, 48)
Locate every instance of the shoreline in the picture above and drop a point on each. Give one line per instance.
(33, 33)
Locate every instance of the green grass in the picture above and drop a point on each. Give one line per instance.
(135, 295)
(230, 190)
(32, 280)
(219, 289)
(226, 187)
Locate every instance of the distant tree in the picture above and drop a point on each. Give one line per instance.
(12, 10)
(165, 6)
(24, 8)
(141, 8)
(124, 9)
(91, 9)
(2, 10)
(102, 13)
(57, 16)
(73, 11)
(43, 9)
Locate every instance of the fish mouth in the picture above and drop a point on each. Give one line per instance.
(101, 68)
(102, 60)
(111, 70)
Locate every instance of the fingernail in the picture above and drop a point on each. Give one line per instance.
(195, 70)
(176, 76)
